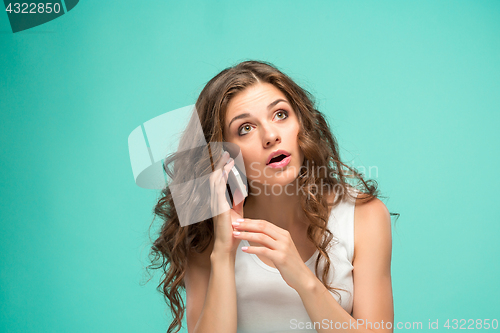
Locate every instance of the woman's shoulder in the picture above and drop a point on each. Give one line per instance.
(372, 224)
(368, 209)
(367, 205)
(362, 201)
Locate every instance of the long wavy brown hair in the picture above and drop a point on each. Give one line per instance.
(322, 168)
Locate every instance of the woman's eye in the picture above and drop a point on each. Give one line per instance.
(244, 129)
(282, 114)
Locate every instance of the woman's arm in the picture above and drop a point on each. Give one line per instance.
(210, 277)
(373, 301)
(211, 292)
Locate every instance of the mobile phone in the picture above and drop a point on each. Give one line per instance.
(235, 182)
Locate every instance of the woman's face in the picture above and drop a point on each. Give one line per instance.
(263, 124)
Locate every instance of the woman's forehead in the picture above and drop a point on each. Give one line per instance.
(253, 98)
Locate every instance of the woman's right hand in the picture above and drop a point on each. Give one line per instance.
(223, 214)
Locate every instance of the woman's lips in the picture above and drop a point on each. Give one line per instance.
(281, 164)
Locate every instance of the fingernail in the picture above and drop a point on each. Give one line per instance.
(236, 233)
(240, 220)
(236, 223)
(244, 248)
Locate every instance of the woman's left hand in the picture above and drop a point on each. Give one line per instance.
(278, 247)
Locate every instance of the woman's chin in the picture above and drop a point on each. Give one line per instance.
(283, 180)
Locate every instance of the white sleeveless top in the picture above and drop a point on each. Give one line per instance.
(266, 304)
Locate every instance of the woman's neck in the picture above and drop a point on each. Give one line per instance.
(279, 205)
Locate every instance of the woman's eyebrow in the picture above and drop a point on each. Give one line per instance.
(276, 102)
(245, 115)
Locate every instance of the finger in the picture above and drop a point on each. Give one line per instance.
(218, 181)
(256, 237)
(261, 226)
(223, 160)
(221, 173)
(259, 250)
(220, 187)
(225, 170)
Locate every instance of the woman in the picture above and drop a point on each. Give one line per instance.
(274, 263)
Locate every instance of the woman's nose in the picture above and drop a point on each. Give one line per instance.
(271, 137)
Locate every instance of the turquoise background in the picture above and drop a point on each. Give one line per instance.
(411, 89)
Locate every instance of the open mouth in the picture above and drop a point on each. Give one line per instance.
(277, 158)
